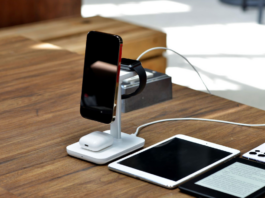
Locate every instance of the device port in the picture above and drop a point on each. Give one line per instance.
(86, 145)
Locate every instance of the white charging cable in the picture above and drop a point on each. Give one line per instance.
(155, 48)
(200, 119)
(181, 119)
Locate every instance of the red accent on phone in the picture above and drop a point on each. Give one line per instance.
(119, 63)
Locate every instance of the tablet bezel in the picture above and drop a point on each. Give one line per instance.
(115, 166)
(191, 188)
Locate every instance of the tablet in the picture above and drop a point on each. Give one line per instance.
(233, 179)
(174, 160)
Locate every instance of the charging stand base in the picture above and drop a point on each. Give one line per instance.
(120, 147)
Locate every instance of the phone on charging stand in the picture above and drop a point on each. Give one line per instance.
(99, 97)
(101, 77)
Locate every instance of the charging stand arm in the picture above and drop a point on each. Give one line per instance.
(115, 127)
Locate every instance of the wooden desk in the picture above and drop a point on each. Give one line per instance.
(70, 33)
(39, 116)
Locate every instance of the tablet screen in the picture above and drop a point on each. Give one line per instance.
(238, 179)
(175, 159)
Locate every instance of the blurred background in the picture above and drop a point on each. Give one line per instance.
(223, 41)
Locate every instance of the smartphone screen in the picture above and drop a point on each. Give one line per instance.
(101, 77)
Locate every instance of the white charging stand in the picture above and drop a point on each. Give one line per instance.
(123, 143)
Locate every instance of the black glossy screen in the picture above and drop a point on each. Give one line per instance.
(175, 159)
(100, 76)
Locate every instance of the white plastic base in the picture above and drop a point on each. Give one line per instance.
(120, 147)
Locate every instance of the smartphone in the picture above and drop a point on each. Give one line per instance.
(101, 76)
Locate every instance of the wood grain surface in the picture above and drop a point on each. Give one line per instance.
(70, 33)
(16, 12)
(39, 116)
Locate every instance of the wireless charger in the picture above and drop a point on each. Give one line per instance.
(123, 143)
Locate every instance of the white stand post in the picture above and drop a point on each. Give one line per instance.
(115, 127)
(123, 143)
